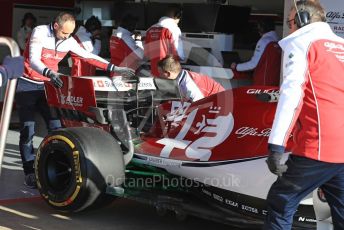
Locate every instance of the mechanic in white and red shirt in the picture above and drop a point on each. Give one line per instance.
(266, 60)
(23, 35)
(47, 47)
(88, 37)
(311, 105)
(266, 29)
(124, 49)
(164, 38)
(192, 86)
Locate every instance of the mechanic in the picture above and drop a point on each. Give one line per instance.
(266, 59)
(124, 49)
(12, 67)
(47, 47)
(312, 104)
(164, 38)
(23, 35)
(192, 86)
(88, 37)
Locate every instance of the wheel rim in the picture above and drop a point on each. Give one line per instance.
(59, 170)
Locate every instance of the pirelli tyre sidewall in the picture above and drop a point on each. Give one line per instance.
(73, 167)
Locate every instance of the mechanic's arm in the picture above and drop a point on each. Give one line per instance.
(35, 55)
(88, 44)
(295, 74)
(89, 57)
(178, 43)
(193, 93)
(96, 46)
(96, 42)
(253, 62)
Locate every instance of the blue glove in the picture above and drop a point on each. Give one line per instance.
(14, 66)
(274, 163)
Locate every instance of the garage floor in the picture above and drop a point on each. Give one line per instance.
(22, 208)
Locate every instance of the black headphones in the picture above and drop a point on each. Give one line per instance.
(302, 16)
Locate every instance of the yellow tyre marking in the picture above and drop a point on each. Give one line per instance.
(68, 201)
(62, 138)
(77, 170)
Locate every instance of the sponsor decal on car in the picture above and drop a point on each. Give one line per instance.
(243, 204)
(250, 131)
(234, 204)
(118, 84)
(208, 129)
(305, 219)
(260, 91)
(71, 100)
(163, 162)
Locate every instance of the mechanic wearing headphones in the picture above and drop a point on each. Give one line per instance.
(124, 49)
(47, 47)
(192, 86)
(266, 29)
(88, 37)
(12, 67)
(312, 105)
(164, 38)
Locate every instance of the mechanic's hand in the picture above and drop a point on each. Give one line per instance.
(55, 79)
(124, 71)
(274, 163)
(14, 66)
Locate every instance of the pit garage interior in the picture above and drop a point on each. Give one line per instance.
(215, 33)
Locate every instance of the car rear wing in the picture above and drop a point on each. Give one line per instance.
(8, 100)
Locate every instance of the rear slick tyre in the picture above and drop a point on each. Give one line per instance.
(74, 166)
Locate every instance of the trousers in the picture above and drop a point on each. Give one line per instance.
(303, 176)
(27, 104)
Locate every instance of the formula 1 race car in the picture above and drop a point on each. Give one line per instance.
(138, 139)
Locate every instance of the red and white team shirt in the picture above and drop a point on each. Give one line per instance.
(162, 39)
(258, 52)
(268, 70)
(125, 52)
(194, 86)
(312, 94)
(44, 52)
(81, 67)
